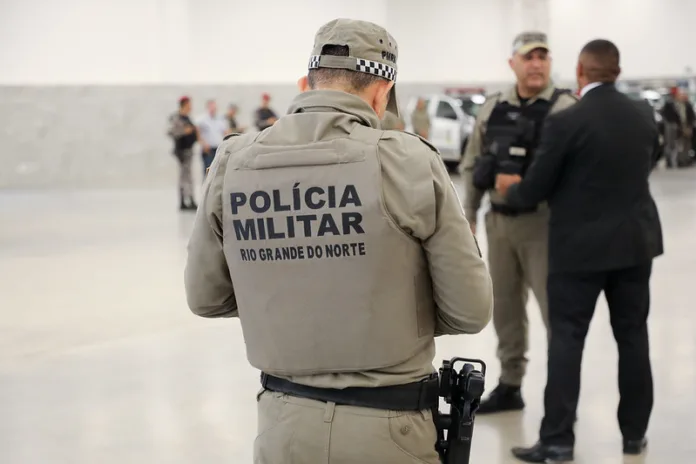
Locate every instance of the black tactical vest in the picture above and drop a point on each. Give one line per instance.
(185, 142)
(513, 132)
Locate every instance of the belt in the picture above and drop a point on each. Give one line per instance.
(506, 210)
(416, 396)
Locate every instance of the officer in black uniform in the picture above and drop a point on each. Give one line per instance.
(507, 131)
(185, 135)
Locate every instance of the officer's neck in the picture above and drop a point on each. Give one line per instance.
(525, 93)
(365, 96)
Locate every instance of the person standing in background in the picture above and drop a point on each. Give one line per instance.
(390, 121)
(265, 116)
(212, 128)
(593, 167)
(679, 118)
(185, 135)
(420, 119)
(232, 125)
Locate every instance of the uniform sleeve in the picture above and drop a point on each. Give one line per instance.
(209, 289)
(461, 282)
(474, 147)
(176, 127)
(565, 101)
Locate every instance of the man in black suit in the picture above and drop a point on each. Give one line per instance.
(593, 167)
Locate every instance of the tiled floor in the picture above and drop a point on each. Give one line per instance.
(101, 362)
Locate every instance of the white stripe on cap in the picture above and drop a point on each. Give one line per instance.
(314, 61)
(378, 69)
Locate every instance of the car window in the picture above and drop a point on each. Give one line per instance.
(470, 107)
(445, 110)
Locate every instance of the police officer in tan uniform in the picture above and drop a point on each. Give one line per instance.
(506, 132)
(392, 121)
(344, 250)
(420, 120)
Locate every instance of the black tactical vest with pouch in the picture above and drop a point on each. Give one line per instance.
(512, 134)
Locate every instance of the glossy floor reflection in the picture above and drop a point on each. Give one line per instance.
(101, 362)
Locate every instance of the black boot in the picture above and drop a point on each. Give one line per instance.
(192, 204)
(503, 398)
(182, 200)
(634, 446)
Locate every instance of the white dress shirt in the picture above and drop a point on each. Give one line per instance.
(213, 129)
(589, 87)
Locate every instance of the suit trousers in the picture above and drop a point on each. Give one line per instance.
(208, 157)
(518, 260)
(572, 300)
(294, 430)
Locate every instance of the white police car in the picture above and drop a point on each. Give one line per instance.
(452, 119)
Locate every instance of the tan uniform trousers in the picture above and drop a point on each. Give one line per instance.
(676, 146)
(295, 430)
(518, 260)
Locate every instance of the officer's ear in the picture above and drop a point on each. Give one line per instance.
(303, 84)
(381, 97)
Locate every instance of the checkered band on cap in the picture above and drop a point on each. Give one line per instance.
(378, 69)
(314, 62)
(361, 65)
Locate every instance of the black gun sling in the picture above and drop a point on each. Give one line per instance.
(416, 396)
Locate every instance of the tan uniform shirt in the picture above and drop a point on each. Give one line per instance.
(472, 201)
(417, 193)
(421, 122)
(680, 106)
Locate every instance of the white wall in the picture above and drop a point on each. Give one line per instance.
(460, 40)
(48, 42)
(146, 41)
(657, 38)
(79, 41)
(269, 41)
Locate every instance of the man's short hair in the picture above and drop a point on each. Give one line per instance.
(357, 81)
(602, 61)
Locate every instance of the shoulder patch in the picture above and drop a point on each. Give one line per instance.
(231, 135)
(495, 96)
(425, 141)
(570, 93)
(491, 99)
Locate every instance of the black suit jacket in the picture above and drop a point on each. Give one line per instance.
(592, 166)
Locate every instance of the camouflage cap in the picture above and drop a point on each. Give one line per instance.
(371, 49)
(528, 41)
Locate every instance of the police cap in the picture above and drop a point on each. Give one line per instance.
(528, 41)
(371, 49)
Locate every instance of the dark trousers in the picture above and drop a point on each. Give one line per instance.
(572, 300)
(208, 159)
